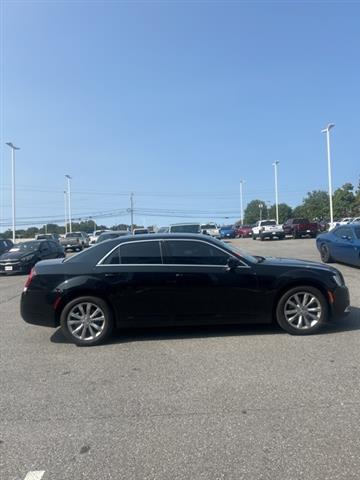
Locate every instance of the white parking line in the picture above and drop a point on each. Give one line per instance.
(35, 475)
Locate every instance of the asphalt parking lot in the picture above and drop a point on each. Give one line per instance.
(212, 403)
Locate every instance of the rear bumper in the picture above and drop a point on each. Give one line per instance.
(38, 310)
(341, 303)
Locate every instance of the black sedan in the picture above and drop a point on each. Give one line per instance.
(181, 279)
(23, 256)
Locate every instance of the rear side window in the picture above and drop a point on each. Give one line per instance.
(193, 253)
(135, 253)
(357, 232)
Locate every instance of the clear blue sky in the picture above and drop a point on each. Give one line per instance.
(176, 101)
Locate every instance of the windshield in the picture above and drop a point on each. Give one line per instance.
(73, 235)
(208, 226)
(267, 223)
(237, 251)
(185, 228)
(227, 227)
(25, 247)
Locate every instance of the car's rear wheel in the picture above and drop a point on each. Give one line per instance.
(302, 310)
(325, 254)
(86, 321)
(254, 236)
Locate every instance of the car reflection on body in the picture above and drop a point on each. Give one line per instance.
(167, 279)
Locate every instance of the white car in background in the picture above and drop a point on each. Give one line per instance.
(210, 229)
(95, 235)
(343, 221)
(356, 220)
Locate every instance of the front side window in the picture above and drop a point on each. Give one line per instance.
(344, 231)
(181, 252)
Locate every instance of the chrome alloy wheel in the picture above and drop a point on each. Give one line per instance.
(86, 321)
(302, 310)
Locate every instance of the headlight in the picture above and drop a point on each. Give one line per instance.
(339, 279)
(27, 258)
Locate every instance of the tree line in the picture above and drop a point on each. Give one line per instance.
(315, 206)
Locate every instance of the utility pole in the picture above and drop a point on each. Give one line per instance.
(132, 211)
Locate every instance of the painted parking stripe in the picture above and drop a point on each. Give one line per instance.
(36, 475)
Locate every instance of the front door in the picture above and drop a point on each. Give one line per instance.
(202, 289)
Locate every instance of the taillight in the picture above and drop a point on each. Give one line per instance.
(29, 279)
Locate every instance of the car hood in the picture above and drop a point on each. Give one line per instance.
(294, 262)
(15, 255)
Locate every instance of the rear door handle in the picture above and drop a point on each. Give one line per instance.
(178, 275)
(111, 274)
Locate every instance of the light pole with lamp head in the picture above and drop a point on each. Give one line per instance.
(261, 206)
(13, 148)
(69, 200)
(327, 131)
(241, 202)
(275, 164)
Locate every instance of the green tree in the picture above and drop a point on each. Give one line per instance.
(252, 211)
(356, 211)
(344, 201)
(285, 212)
(316, 205)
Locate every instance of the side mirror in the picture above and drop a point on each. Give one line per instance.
(232, 263)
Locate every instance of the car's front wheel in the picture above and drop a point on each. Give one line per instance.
(86, 321)
(302, 310)
(325, 254)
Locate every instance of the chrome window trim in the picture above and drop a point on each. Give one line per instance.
(101, 264)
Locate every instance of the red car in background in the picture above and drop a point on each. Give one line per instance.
(244, 231)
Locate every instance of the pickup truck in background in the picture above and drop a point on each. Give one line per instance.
(210, 229)
(267, 229)
(300, 227)
(75, 241)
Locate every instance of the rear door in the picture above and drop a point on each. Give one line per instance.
(134, 278)
(200, 287)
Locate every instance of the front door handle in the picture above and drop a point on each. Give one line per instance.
(179, 275)
(111, 274)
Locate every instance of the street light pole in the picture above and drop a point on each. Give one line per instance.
(69, 200)
(13, 148)
(132, 212)
(275, 164)
(327, 131)
(261, 206)
(65, 217)
(241, 202)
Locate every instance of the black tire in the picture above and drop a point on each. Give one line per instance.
(106, 324)
(282, 237)
(325, 254)
(254, 237)
(282, 317)
(296, 235)
(262, 238)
